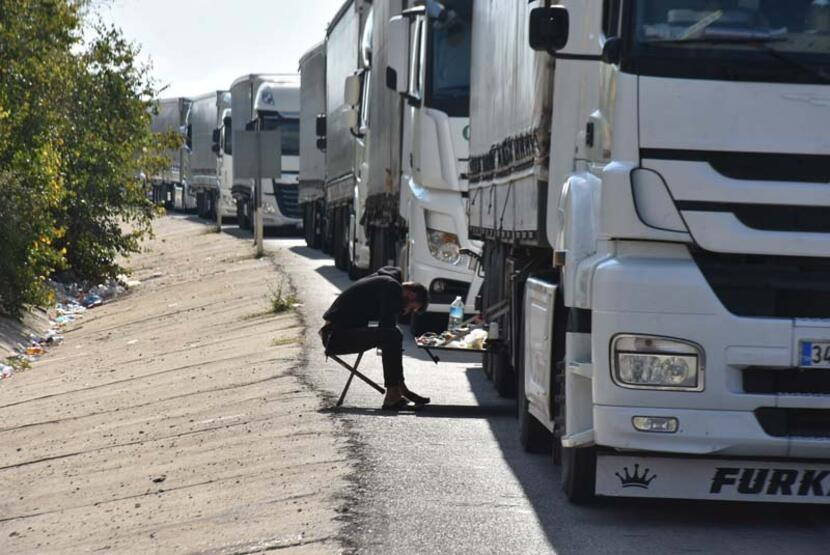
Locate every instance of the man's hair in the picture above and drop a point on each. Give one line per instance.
(420, 292)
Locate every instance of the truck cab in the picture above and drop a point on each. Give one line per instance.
(688, 215)
(428, 66)
(269, 102)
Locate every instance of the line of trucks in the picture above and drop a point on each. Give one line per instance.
(634, 194)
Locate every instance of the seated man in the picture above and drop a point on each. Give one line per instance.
(380, 297)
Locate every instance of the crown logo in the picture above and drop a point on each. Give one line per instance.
(636, 480)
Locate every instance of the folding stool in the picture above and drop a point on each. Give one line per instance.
(353, 371)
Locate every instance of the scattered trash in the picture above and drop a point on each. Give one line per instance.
(6, 371)
(92, 300)
(74, 300)
(159, 479)
(35, 350)
(132, 341)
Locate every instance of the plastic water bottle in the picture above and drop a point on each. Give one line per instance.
(456, 314)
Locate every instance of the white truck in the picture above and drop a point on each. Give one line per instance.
(269, 102)
(345, 151)
(205, 113)
(171, 187)
(312, 155)
(651, 188)
(414, 101)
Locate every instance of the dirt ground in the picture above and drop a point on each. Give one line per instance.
(170, 420)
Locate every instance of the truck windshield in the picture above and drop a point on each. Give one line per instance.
(448, 60)
(290, 128)
(742, 40)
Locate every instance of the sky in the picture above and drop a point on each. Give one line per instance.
(199, 46)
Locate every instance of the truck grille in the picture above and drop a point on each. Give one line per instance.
(769, 217)
(786, 381)
(768, 286)
(806, 423)
(287, 202)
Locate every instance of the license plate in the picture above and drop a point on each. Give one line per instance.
(815, 354)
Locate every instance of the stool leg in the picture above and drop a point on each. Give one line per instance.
(345, 389)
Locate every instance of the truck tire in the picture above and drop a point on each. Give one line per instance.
(308, 224)
(213, 206)
(202, 205)
(579, 471)
(240, 215)
(504, 378)
(534, 437)
(327, 225)
(338, 247)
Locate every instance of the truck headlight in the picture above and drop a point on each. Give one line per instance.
(649, 362)
(444, 246)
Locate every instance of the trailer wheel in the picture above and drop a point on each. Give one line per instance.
(535, 438)
(213, 206)
(202, 205)
(240, 215)
(579, 471)
(338, 247)
(308, 224)
(327, 224)
(504, 378)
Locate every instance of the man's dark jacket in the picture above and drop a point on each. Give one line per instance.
(375, 298)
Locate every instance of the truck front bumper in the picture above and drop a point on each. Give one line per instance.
(715, 479)
(664, 294)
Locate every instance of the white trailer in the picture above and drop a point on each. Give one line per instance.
(171, 186)
(418, 114)
(347, 52)
(312, 155)
(269, 102)
(204, 123)
(660, 293)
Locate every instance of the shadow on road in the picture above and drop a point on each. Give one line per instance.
(334, 276)
(570, 528)
(309, 253)
(429, 411)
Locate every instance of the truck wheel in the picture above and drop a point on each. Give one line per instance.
(504, 378)
(308, 224)
(214, 206)
(346, 260)
(249, 218)
(338, 249)
(579, 470)
(535, 438)
(240, 215)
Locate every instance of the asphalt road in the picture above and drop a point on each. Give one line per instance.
(453, 477)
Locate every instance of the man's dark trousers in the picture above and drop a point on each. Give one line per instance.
(345, 341)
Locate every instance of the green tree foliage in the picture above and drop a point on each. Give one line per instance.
(74, 138)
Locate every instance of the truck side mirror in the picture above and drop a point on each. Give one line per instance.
(320, 126)
(353, 87)
(549, 29)
(215, 148)
(351, 119)
(321, 144)
(216, 136)
(397, 71)
(612, 51)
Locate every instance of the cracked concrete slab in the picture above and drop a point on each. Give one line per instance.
(171, 420)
